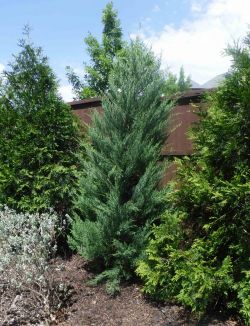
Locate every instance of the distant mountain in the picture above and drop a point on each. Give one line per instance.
(212, 83)
(194, 84)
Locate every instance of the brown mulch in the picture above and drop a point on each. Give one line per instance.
(91, 306)
(72, 302)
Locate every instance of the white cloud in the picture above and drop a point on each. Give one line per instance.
(1, 67)
(156, 8)
(198, 44)
(66, 92)
(196, 6)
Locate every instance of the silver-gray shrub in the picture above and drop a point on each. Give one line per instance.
(27, 241)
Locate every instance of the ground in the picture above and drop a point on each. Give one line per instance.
(78, 304)
(93, 307)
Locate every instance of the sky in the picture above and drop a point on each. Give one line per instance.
(192, 33)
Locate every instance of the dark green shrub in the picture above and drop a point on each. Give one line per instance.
(119, 198)
(39, 137)
(200, 254)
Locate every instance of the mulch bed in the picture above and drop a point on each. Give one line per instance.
(91, 306)
(75, 303)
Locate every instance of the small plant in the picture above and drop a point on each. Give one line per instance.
(27, 242)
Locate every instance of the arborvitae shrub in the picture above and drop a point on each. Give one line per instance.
(39, 137)
(200, 254)
(119, 194)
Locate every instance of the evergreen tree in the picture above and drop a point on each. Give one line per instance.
(170, 87)
(39, 136)
(184, 82)
(120, 196)
(174, 84)
(200, 254)
(102, 57)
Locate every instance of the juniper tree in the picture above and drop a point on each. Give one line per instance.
(39, 136)
(120, 196)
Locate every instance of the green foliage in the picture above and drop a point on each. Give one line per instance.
(119, 195)
(183, 82)
(39, 137)
(102, 57)
(171, 86)
(199, 255)
(243, 289)
(174, 84)
(155, 268)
